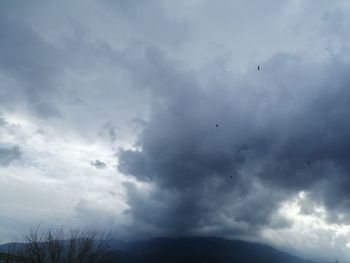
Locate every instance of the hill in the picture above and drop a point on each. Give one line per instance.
(199, 249)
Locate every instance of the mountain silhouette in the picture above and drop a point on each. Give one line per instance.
(198, 249)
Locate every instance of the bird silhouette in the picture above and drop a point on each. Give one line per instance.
(308, 163)
(217, 125)
(258, 67)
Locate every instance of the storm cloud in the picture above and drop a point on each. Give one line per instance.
(153, 118)
(281, 130)
(98, 164)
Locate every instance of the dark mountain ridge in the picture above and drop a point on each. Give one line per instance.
(190, 249)
(198, 249)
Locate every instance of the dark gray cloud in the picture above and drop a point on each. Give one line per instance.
(36, 68)
(166, 72)
(98, 164)
(154, 22)
(32, 61)
(7, 155)
(281, 130)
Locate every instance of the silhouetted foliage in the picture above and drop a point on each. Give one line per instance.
(54, 246)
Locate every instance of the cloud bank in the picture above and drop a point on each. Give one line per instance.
(188, 137)
(282, 130)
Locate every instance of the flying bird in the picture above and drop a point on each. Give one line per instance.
(258, 67)
(308, 163)
(217, 125)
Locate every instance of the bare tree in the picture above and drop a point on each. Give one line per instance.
(54, 246)
(35, 246)
(13, 253)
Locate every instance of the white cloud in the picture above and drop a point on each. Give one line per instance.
(54, 178)
(311, 235)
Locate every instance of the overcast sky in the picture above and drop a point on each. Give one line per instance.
(108, 114)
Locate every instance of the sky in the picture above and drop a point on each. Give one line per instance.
(150, 118)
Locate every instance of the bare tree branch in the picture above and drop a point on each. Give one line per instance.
(54, 246)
